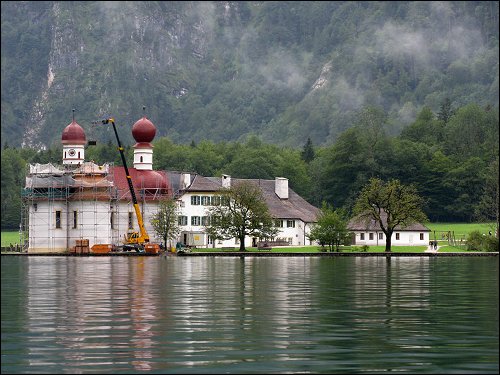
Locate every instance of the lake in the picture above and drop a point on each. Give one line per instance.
(249, 314)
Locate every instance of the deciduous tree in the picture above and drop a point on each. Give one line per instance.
(331, 228)
(242, 212)
(390, 204)
(164, 222)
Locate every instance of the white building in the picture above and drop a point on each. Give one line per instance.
(294, 216)
(84, 201)
(369, 233)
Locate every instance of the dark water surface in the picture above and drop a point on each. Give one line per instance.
(249, 315)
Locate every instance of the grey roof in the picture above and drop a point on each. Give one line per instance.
(361, 224)
(295, 207)
(204, 184)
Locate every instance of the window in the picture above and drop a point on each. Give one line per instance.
(195, 220)
(130, 223)
(35, 206)
(112, 220)
(205, 220)
(290, 223)
(421, 236)
(195, 200)
(58, 219)
(290, 239)
(397, 236)
(216, 200)
(380, 236)
(141, 159)
(205, 200)
(371, 236)
(182, 220)
(75, 219)
(279, 223)
(362, 236)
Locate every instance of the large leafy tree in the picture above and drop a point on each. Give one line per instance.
(331, 228)
(242, 212)
(390, 204)
(164, 222)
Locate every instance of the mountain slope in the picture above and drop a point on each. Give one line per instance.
(283, 71)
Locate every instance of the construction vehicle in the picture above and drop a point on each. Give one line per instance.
(133, 240)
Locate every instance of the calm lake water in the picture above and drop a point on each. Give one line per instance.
(249, 315)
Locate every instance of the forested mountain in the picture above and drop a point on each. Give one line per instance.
(223, 71)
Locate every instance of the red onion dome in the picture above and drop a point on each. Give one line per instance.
(143, 131)
(151, 180)
(73, 134)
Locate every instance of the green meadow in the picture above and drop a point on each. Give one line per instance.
(461, 230)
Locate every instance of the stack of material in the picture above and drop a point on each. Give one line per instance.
(82, 247)
(102, 248)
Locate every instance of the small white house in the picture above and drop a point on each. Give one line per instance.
(369, 233)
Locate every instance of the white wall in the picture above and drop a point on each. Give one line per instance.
(297, 233)
(406, 238)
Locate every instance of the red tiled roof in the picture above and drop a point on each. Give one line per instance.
(147, 184)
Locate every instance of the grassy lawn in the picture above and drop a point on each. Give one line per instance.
(10, 238)
(316, 249)
(460, 229)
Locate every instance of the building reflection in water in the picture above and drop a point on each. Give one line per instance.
(97, 311)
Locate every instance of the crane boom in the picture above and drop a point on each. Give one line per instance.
(144, 233)
(133, 240)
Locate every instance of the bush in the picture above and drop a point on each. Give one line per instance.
(490, 243)
(480, 242)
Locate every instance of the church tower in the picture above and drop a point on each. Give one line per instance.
(73, 141)
(143, 132)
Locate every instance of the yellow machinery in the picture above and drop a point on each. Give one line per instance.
(134, 240)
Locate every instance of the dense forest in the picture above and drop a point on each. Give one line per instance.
(283, 71)
(451, 156)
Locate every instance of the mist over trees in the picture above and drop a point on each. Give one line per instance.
(223, 71)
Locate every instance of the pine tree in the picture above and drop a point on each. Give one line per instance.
(307, 153)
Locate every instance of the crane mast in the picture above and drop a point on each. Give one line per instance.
(133, 240)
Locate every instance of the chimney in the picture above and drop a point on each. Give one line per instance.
(185, 180)
(226, 181)
(281, 187)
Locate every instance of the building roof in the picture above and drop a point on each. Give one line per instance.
(153, 184)
(362, 224)
(205, 184)
(143, 132)
(294, 207)
(73, 134)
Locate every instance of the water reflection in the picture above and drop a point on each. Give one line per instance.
(243, 314)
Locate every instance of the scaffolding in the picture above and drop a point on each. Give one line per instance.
(57, 203)
(63, 204)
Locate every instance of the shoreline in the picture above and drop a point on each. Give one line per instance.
(265, 254)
